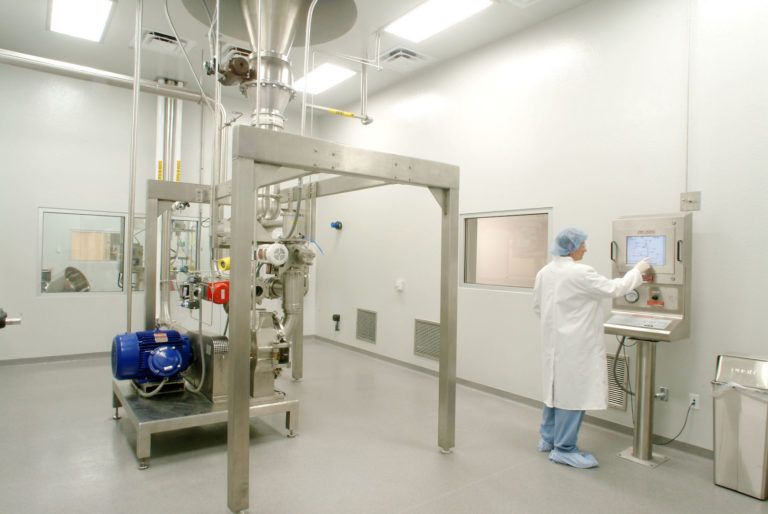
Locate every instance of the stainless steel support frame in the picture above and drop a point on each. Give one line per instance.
(256, 154)
(641, 451)
(150, 416)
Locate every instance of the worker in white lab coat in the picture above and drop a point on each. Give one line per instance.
(568, 296)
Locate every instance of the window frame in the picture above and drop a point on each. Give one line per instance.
(463, 217)
(39, 257)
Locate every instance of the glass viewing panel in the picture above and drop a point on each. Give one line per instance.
(81, 252)
(640, 247)
(184, 239)
(505, 250)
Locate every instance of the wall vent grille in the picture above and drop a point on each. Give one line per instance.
(616, 397)
(426, 339)
(366, 325)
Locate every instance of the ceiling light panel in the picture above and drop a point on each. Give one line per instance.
(84, 19)
(434, 16)
(323, 78)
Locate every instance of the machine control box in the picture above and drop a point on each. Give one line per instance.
(659, 308)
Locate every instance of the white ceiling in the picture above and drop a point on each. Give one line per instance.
(23, 29)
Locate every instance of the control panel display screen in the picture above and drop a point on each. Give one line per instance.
(653, 247)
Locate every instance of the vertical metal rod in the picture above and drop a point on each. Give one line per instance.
(128, 246)
(306, 67)
(165, 230)
(216, 172)
(364, 89)
(446, 430)
(150, 264)
(243, 226)
(642, 444)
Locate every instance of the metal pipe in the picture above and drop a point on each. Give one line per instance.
(128, 246)
(306, 67)
(642, 444)
(177, 110)
(165, 232)
(93, 74)
(330, 110)
(159, 132)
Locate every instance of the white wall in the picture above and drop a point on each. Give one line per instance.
(585, 114)
(65, 144)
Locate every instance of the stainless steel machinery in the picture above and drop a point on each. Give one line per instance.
(658, 310)
(234, 374)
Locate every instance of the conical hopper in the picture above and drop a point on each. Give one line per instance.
(274, 27)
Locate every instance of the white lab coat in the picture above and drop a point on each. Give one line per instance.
(568, 298)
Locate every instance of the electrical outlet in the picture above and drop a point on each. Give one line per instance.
(695, 400)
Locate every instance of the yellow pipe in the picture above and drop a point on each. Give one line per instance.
(341, 113)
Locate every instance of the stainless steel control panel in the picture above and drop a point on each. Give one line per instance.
(659, 308)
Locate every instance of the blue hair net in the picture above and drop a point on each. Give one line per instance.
(567, 241)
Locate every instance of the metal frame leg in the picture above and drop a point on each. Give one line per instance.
(446, 430)
(238, 433)
(642, 443)
(116, 405)
(143, 447)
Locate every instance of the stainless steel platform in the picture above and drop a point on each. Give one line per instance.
(183, 410)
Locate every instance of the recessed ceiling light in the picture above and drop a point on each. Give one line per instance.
(85, 19)
(434, 16)
(323, 77)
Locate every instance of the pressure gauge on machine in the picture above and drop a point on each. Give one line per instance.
(632, 296)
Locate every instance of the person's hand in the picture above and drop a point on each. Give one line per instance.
(643, 266)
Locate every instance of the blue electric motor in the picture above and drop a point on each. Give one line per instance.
(150, 355)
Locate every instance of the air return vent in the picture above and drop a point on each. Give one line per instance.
(162, 43)
(426, 339)
(366, 325)
(402, 59)
(616, 397)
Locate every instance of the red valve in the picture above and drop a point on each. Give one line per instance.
(218, 292)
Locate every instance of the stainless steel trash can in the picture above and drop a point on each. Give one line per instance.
(740, 391)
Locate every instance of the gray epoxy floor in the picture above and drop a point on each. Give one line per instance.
(367, 444)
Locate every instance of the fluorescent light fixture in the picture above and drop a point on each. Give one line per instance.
(85, 19)
(434, 16)
(323, 77)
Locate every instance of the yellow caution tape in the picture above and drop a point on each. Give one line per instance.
(159, 170)
(178, 171)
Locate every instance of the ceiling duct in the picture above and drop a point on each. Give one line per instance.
(403, 59)
(155, 41)
(274, 29)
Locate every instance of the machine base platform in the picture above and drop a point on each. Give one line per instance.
(183, 410)
(655, 461)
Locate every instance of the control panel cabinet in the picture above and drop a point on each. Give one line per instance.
(659, 308)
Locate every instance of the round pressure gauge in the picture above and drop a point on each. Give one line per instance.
(632, 296)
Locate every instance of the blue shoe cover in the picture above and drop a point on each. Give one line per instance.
(581, 460)
(545, 446)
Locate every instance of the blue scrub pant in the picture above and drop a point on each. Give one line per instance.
(560, 428)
